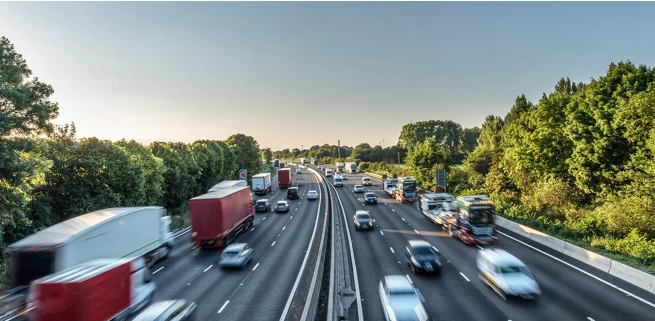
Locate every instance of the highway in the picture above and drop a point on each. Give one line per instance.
(571, 290)
(274, 286)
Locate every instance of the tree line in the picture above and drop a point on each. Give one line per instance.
(47, 175)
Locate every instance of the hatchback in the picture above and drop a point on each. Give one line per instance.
(312, 195)
(363, 221)
(236, 255)
(358, 189)
(282, 206)
(262, 205)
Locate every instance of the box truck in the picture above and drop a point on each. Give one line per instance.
(261, 183)
(131, 232)
(97, 290)
(284, 178)
(225, 184)
(217, 217)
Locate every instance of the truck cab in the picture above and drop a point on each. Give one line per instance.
(475, 219)
(406, 191)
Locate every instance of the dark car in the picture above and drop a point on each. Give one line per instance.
(182, 310)
(370, 198)
(282, 206)
(292, 193)
(421, 256)
(263, 205)
(363, 220)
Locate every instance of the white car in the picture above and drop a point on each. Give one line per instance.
(506, 274)
(312, 195)
(298, 171)
(358, 189)
(400, 300)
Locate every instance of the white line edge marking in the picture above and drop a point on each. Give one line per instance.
(304, 261)
(360, 312)
(590, 319)
(464, 276)
(223, 307)
(207, 269)
(580, 270)
(159, 269)
(187, 231)
(255, 268)
(392, 251)
(273, 243)
(416, 231)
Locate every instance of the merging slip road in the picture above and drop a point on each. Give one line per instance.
(571, 290)
(274, 285)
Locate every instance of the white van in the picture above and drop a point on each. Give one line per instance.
(328, 173)
(338, 181)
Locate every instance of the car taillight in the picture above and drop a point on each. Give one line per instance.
(275, 206)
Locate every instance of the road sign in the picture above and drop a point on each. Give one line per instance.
(243, 174)
(441, 178)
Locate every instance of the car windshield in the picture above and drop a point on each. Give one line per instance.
(292, 191)
(232, 252)
(312, 192)
(363, 216)
(424, 250)
(409, 187)
(261, 202)
(481, 216)
(515, 270)
(370, 195)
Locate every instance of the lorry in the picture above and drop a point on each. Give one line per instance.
(314, 161)
(339, 168)
(303, 161)
(217, 217)
(276, 162)
(351, 167)
(389, 186)
(96, 290)
(284, 178)
(474, 224)
(261, 183)
(438, 208)
(226, 184)
(133, 232)
(406, 191)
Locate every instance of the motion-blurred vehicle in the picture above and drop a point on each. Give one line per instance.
(312, 195)
(474, 222)
(320, 167)
(292, 193)
(358, 189)
(262, 205)
(439, 208)
(506, 274)
(370, 198)
(363, 220)
(236, 255)
(344, 177)
(338, 181)
(181, 310)
(366, 181)
(282, 206)
(421, 256)
(298, 171)
(400, 300)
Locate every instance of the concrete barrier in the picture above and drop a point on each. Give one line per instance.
(634, 276)
(596, 260)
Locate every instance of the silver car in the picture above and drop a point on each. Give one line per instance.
(400, 300)
(182, 310)
(358, 189)
(312, 195)
(506, 274)
(236, 255)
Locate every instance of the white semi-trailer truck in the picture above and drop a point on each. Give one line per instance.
(261, 183)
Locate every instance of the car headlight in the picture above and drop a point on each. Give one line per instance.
(370, 223)
(357, 223)
(415, 262)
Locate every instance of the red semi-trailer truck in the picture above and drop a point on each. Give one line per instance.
(284, 178)
(217, 217)
(97, 290)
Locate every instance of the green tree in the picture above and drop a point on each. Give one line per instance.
(267, 155)
(153, 169)
(425, 159)
(179, 182)
(230, 165)
(209, 157)
(246, 151)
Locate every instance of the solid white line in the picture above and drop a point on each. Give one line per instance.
(464, 276)
(480, 247)
(207, 269)
(252, 229)
(590, 319)
(273, 243)
(409, 279)
(187, 231)
(304, 262)
(416, 231)
(223, 307)
(255, 268)
(159, 269)
(403, 219)
(392, 251)
(580, 270)
(382, 233)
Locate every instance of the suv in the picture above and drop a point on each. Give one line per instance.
(338, 181)
(422, 256)
(292, 193)
(366, 181)
(370, 198)
(506, 274)
(262, 205)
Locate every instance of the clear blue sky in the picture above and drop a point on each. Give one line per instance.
(292, 74)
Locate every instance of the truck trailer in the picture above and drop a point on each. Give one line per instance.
(439, 208)
(217, 217)
(97, 290)
(227, 184)
(284, 178)
(261, 183)
(130, 232)
(351, 167)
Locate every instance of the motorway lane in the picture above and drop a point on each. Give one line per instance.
(567, 294)
(193, 274)
(448, 296)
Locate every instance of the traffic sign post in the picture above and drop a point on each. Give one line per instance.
(441, 178)
(243, 174)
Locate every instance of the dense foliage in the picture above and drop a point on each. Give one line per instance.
(48, 175)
